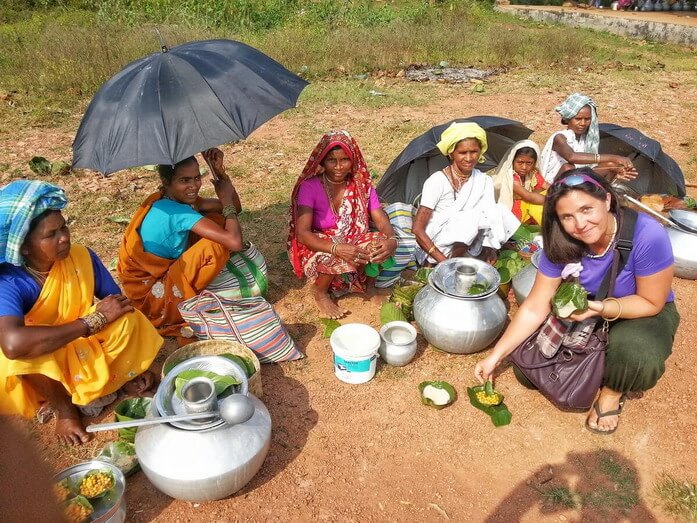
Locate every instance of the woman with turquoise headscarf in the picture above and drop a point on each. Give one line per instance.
(59, 351)
(577, 145)
(458, 214)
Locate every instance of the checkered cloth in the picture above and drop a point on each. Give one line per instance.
(570, 108)
(20, 202)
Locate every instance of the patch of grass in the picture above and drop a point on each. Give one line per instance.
(678, 498)
(58, 53)
(621, 494)
(560, 496)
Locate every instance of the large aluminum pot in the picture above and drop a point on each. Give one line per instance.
(685, 252)
(202, 461)
(460, 324)
(524, 279)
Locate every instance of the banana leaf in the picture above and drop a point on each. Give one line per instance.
(128, 410)
(222, 383)
(499, 414)
(246, 364)
(330, 326)
(391, 312)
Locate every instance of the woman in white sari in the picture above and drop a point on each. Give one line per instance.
(458, 214)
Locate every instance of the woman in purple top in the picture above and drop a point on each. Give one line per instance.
(580, 225)
(332, 204)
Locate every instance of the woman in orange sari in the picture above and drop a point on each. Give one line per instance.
(177, 242)
(331, 207)
(59, 349)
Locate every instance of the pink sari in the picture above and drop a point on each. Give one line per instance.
(352, 221)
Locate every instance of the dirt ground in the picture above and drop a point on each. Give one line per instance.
(372, 452)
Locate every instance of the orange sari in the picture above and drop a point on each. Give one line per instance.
(157, 285)
(88, 367)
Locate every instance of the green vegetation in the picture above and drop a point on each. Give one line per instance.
(54, 54)
(560, 496)
(679, 498)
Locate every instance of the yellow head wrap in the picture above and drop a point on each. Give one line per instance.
(461, 131)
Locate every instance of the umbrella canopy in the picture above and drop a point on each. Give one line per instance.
(658, 172)
(173, 104)
(405, 177)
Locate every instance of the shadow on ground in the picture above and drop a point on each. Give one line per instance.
(601, 485)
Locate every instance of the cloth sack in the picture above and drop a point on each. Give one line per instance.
(250, 321)
(401, 216)
(244, 276)
(566, 360)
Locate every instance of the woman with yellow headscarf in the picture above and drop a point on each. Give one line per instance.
(57, 348)
(458, 215)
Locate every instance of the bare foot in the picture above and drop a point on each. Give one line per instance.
(142, 385)
(69, 428)
(327, 308)
(606, 402)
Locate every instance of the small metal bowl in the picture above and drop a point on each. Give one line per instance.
(110, 508)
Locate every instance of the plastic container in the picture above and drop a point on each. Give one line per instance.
(355, 347)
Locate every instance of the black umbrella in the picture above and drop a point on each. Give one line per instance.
(658, 172)
(172, 104)
(405, 177)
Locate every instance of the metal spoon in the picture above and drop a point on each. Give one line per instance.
(655, 214)
(235, 409)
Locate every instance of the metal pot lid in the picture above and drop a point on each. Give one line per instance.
(169, 404)
(446, 279)
(687, 219)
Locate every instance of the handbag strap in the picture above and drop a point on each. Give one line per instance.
(621, 252)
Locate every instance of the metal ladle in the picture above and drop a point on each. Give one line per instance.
(656, 214)
(235, 409)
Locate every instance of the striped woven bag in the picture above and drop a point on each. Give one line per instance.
(244, 275)
(400, 215)
(250, 321)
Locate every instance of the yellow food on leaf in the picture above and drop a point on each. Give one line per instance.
(488, 399)
(95, 484)
(61, 492)
(76, 512)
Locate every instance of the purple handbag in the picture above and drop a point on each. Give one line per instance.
(565, 361)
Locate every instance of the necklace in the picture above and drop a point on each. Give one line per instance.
(609, 244)
(461, 180)
(342, 182)
(329, 196)
(39, 276)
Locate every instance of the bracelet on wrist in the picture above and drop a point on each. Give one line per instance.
(433, 247)
(619, 309)
(95, 322)
(332, 249)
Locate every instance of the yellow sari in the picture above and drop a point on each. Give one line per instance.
(88, 367)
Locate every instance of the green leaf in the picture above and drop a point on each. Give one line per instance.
(371, 270)
(504, 274)
(245, 363)
(569, 298)
(422, 274)
(60, 168)
(477, 289)
(330, 326)
(489, 387)
(119, 219)
(390, 312)
(113, 264)
(130, 409)
(40, 165)
(499, 414)
(222, 383)
(441, 386)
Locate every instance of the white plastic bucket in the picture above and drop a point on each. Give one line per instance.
(355, 347)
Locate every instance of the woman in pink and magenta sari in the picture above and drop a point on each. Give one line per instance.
(330, 240)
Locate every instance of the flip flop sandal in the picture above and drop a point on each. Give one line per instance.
(617, 412)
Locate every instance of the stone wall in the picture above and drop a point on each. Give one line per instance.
(635, 28)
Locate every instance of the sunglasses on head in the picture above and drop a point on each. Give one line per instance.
(577, 179)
